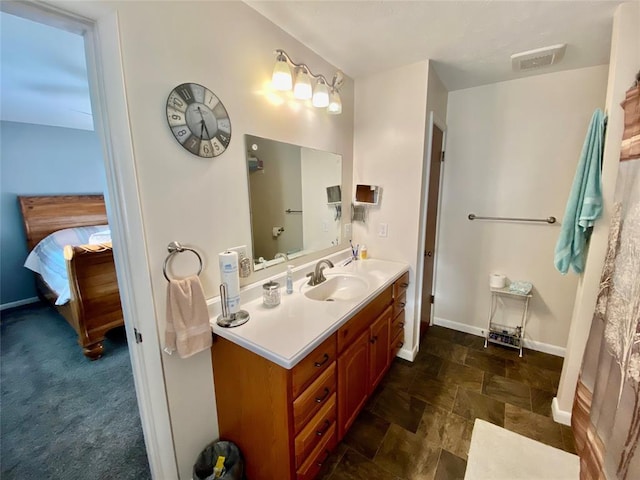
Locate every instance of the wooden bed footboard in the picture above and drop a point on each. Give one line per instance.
(95, 298)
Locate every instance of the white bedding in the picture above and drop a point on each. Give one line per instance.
(47, 258)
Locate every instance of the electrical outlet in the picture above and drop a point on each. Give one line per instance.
(325, 226)
(240, 250)
(383, 229)
(347, 230)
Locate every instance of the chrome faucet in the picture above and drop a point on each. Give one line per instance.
(281, 255)
(317, 276)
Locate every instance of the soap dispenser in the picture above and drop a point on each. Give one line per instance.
(289, 279)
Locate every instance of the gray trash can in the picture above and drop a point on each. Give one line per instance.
(203, 469)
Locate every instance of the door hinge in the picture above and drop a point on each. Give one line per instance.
(138, 335)
(433, 297)
(442, 156)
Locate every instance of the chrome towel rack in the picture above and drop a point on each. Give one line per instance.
(550, 220)
(173, 248)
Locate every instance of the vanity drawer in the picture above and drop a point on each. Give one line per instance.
(399, 304)
(319, 455)
(305, 372)
(400, 285)
(397, 324)
(315, 431)
(314, 398)
(361, 320)
(397, 343)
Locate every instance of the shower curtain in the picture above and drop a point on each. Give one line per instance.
(606, 410)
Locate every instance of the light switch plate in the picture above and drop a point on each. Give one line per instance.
(347, 231)
(383, 230)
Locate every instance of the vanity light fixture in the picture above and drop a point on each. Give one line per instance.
(307, 86)
(302, 88)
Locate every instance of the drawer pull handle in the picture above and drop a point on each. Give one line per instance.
(374, 339)
(324, 397)
(402, 304)
(404, 285)
(327, 453)
(322, 431)
(319, 364)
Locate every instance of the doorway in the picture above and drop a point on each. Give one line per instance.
(431, 203)
(100, 30)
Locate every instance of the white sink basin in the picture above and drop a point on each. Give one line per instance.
(337, 288)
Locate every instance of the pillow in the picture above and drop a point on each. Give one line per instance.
(47, 258)
(97, 238)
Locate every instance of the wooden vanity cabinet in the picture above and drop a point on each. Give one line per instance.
(398, 316)
(276, 416)
(362, 362)
(287, 422)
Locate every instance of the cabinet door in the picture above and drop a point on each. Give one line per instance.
(379, 348)
(353, 382)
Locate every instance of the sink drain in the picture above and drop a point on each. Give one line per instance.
(330, 300)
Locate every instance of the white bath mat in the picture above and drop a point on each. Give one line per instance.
(499, 454)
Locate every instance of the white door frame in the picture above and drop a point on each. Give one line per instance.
(426, 172)
(111, 120)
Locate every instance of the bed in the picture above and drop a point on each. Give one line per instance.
(93, 305)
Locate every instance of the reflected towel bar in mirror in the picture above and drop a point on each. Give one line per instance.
(550, 220)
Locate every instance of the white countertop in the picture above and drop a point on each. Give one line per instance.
(287, 333)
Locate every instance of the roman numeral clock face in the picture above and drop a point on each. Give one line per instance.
(198, 120)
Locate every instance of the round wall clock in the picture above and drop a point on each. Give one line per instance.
(198, 120)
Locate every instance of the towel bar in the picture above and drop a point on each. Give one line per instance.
(550, 220)
(173, 248)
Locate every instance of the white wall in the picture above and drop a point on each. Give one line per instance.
(227, 47)
(319, 171)
(624, 64)
(437, 94)
(39, 160)
(388, 151)
(512, 150)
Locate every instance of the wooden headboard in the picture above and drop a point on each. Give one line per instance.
(43, 215)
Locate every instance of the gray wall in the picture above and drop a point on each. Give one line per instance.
(36, 159)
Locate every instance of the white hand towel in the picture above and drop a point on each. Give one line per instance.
(188, 330)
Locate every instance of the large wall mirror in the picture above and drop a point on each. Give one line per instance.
(295, 200)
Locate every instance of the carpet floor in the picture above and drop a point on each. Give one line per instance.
(61, 415)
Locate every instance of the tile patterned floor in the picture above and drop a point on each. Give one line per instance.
(418, 423)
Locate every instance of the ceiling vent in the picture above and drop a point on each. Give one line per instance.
(540, 57)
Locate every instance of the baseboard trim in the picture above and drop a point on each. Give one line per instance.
(19, 303)
(472, 329)
(409, 355)
(560, 416)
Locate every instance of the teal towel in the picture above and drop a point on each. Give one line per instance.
(585, 200)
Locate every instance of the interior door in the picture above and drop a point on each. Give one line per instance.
(431, 223)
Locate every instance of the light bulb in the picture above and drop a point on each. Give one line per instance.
(320, 95)
(302, 87)
(335, 104)
(281, 79)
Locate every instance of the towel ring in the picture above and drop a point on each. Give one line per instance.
(173, 248)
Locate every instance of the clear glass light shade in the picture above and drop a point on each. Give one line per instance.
(335, 104)
(320, 95)
(302, 87)
(281, 79)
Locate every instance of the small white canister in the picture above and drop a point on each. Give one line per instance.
(497, 280)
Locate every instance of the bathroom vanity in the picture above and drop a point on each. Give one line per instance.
(290, 382)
